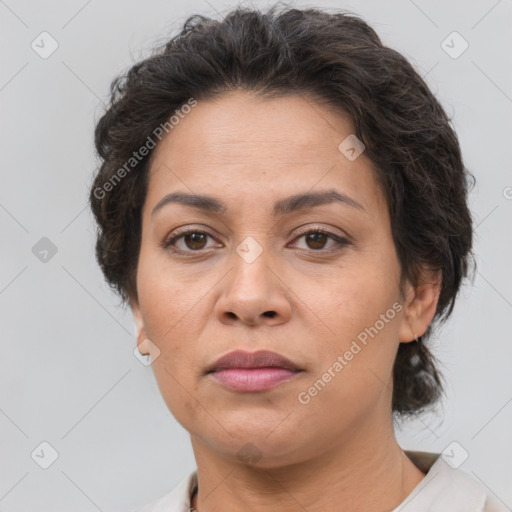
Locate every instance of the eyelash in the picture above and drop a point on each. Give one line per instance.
(340, 241)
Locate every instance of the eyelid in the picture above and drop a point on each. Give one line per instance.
(331, 231)
(183, 231)
(340, 239)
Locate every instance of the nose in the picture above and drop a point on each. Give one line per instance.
(253, 294)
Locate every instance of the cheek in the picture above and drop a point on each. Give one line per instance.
(362, 310)
(170, 301)
(172, 311)
(178, 390)
(354, 367)
(358, 295)
(171, 323)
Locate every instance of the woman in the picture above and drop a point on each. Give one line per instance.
(283, 204)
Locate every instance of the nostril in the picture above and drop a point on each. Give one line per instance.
(270, 314)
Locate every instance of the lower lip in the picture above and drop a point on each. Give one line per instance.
(253, 379)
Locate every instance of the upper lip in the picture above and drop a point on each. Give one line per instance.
(260, 359)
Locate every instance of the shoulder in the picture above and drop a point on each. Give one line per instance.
(178, 500)
(447, 489)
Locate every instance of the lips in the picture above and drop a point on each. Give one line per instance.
(260, 359)
(252, 371)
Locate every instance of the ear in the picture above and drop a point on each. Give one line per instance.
(420, 305)
(142, 339)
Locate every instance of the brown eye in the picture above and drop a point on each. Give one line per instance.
(316, 240)
(195, 240)
(188, 241)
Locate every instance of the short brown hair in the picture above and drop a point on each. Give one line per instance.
(333, 56)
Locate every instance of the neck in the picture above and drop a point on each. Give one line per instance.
(353, 476)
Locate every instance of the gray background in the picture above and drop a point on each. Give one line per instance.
(68, 375)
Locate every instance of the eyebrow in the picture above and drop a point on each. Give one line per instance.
(284, 206)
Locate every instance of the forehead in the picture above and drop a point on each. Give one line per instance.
(263, 146)
(240, 122)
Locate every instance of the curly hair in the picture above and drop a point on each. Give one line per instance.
(337, 58)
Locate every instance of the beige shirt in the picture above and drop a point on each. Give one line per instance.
(443, 489)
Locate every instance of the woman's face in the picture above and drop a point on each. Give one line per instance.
(251, 278)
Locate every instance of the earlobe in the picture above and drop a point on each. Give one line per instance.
(142, 339)
(420, 307)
